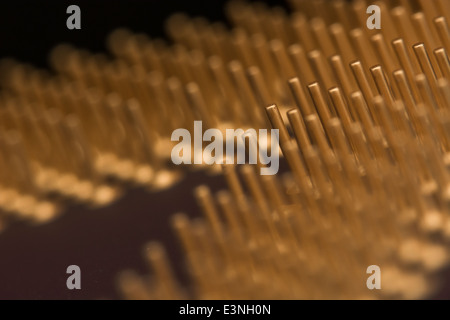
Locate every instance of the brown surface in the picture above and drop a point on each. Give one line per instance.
(102, 242)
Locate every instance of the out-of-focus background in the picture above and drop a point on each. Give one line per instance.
(33, 260)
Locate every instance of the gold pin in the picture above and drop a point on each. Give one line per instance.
(385, 121)
(366, 88)
(225, 202)
(228, 90)
(299, 129)
(302, 30)
(425, 33)
(344, 76)
(363, 47)
(408, 99)
(382, 84)
(246, 95)
(322, 107)
(199, 105)
(358, 9)
(182, 227)
(318, 135)
(260, 87)
(296, 164)
(157, 259)
(322, 69)
(322, 36)
(429, 9)
(444, 88)
(389, 63)
(280, 24)
(277, 122)
(425, 62)
(175, 88)
(444, 64)
(342, 13)
(242, 202)
(206, 202)
(407, 66)
(430, 103)
(267, 64)
(240, 41)
(443, 31)
(343, 43)
(365, 116)
(284, 63)
(132, 287)
(300, 61)
(302, 100)
(404, 24)
(341, 107)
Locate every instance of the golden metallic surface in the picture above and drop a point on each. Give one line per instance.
(364, 127)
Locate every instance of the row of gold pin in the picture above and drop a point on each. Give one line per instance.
(367, 147)
(126, 120)
(92, 88)
(287, 228)
(52, 153)
(69, 148)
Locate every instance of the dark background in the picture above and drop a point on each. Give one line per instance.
(33, 260)
(29, 29)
